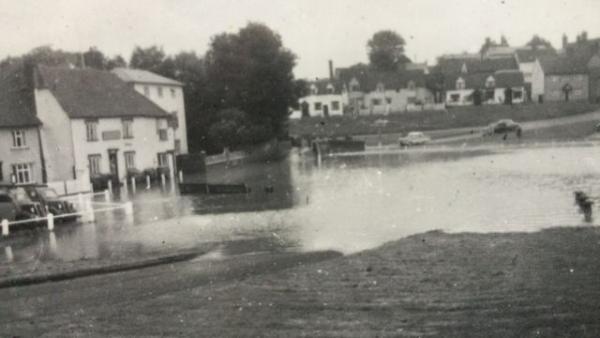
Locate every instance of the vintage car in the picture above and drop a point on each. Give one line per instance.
(24, 208)
(502, 127)
(49, 199)
(414, 138)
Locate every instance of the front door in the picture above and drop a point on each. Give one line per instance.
(325, 110)
(113, 164)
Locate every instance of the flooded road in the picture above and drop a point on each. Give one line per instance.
(349, 203)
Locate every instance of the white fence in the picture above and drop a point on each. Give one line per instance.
(86, 208)
(226, 156)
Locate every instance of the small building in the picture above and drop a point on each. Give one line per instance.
(166, 93)
(325, 99)
(565, 78)
(21, 159)
(502, 86)
(95, 124)
(529, 65)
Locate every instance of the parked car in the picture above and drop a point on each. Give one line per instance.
(24, 207)
(502, 127)
(414, 138)
(49, 199)
(8, 208)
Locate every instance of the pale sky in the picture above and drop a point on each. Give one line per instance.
(315, 30)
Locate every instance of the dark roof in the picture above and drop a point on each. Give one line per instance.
(476, 65)
(17, 107)
(368, 79)
(502, 78)
(322, 85)
(563, 65)
(90, 93)
(530, 54)
(584, 49)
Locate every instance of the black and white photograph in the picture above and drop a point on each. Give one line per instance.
(300, 168)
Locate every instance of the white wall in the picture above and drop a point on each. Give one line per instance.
(325, 100)
(56, 135)
(145, 143)
(29, 154)
(462, 93)
(537, 81)
(170, 104)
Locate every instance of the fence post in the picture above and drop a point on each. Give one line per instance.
(180, 176)
(133, 187)
(162, 180)
(147, 182)
(106, 195)
(171, 162)
(80, 201)
(129, 211)
(9, 254)
(110, 187)
(50, 221)
(5, 227)
(89, 212)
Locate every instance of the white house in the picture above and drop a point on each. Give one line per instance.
(529, 64)
(491, 87)
(96, 124)
(20, 151)
(166, 93)
(325, 99)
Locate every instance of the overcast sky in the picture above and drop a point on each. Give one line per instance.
(315, 30)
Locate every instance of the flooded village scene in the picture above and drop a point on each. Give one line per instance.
(300, 169)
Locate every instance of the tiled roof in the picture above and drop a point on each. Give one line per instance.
(503, 79)
(143, 76)
(369, 79)
(562, 65)
(90, 93)
(322, 85)
(473, 65)
(17, 108)
(530, 55)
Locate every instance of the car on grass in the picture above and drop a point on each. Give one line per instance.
(414, 138)
(8, 207)
(502, 127)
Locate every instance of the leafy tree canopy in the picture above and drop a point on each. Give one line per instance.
(150, 58)
(386, 50)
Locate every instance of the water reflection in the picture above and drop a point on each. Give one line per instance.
(350, 203)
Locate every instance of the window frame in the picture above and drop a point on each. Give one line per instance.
(335, 105)
(129, 157)
(127, 128)
(147, 91)
(19, 139)
(23, 173)
(165, 160)
(159, 91)
(318, 106)
(94, 166)
(173, 92)
(91, 133)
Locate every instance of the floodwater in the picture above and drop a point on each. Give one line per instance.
(347, 203)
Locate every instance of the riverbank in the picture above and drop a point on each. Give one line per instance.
(434, 284)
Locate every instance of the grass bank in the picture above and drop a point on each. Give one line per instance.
(470, 116)
(435, 284)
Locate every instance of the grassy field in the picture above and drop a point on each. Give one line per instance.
(541, 284)
(471, 116)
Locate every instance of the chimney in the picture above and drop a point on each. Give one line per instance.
(584, 36)
(331, 70)
(565, 41)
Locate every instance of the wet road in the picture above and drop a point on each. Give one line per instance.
(350, 203)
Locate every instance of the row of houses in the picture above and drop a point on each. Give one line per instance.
(500, 75)
(63, 126)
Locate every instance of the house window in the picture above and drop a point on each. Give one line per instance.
(517, 94)
(489, 95)
(178, 146)
(161, 129)
(94, 164)
(159, 90)
(388, 100)
(317, 105)
(173, 93)
(23, 172)
(354, 85)
(460, 83)
(127, 128)
(129, 159)
(454, 97)
(335, 105)
(146, 90)
(490, 82)
(19, 138)
(162, 160)
(162, 135)
(375, 102)
(91, 128)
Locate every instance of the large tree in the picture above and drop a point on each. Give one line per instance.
(94, 58)
(150, 58)
(386, 50)
(252, 71)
